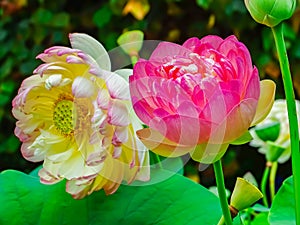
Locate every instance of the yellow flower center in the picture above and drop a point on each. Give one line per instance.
(63, 116)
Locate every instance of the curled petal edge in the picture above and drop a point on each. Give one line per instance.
(265, 101)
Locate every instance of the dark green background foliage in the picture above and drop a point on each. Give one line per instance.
(27, 30)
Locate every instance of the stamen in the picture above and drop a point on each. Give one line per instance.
(64, 116)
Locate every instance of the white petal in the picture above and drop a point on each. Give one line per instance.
(103, 99)
(92, 47)
(118, 87)
(82, 87)
(60, 156)
(77, 191)
(125, 73)
(98, 120)
(47, 178)
(53, 81)
(42, 142)
(95, 138)
(144, 172)
(118, 114)
(117, 152)
(96, 158)
(65, 81)
(120, 135)
(97, 71)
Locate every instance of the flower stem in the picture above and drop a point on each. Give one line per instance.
(222, 191)
(272, 179)
(263, 184)
(134, 59)
(292, 113)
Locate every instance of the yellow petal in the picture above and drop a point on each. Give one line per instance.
(159, 144)
(265, 101)
(138, 8)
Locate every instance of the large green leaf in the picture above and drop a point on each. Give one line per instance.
(283, 207)
(175, 200)
(261, 219)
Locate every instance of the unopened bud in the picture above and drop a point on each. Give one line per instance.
(131, 42)
(270, 12)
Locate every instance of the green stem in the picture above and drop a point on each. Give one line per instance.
(272, 179)
(263, 184)
(292, 113)
(222, 192)
(134, 59)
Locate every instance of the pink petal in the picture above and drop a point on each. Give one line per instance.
(118, 114)
(96, 158)
(235, 124)
(21, 135)
(143, 110)
(152, 93)
(191, 43)
(213, 40)
(103, 99)
(48, 178)
(206, 43)
(252, 90)
(77, 191)
(48, 68)
(142, 68)
(219, 104)
(30, 154)
(198, 97)
(74, 59)
(117, 87)
(120, 135)
(55, 53)
(168, 49)
(185, 130)
(159, 92)
(117, 151)
(234, 85)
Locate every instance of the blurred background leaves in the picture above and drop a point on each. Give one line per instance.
(27, 27)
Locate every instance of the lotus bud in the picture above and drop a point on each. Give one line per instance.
(131, 43)
(270, 12)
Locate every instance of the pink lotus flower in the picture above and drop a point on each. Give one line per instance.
(75, 115)
(198, 97)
